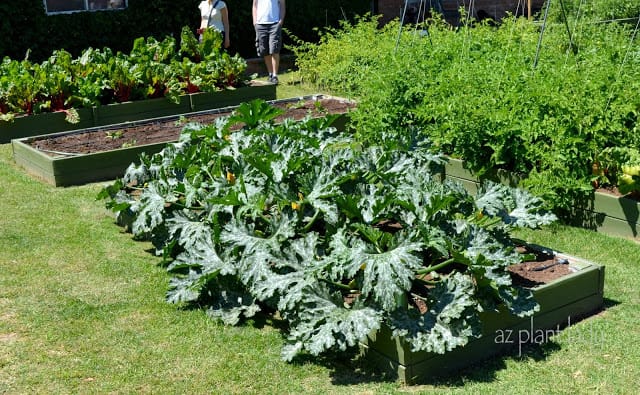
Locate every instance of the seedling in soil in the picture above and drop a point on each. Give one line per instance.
(129, 144)
(114, 135)
(296, 105)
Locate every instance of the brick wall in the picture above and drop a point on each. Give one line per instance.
(495, 9)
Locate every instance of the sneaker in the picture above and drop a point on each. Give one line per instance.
(273, 79)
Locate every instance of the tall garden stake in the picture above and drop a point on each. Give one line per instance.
(544, 24)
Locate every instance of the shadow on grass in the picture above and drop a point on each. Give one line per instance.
(608, 303)
(346, 368)
(350, 368)
(360, 371)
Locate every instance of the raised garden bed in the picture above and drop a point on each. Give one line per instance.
(566, 293)
(49, 123)
(604, 212)
(103, 153)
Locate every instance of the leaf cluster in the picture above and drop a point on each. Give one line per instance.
(337, 236)
(152, 69)
(475, 93)
(598, 11)
(619, 166)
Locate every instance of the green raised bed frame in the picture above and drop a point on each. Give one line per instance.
(49, 123)
(60, 169)
(562, 302)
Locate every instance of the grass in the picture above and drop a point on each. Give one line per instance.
(82, 310)
(291, 85)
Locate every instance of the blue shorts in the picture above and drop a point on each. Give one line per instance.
(268, 38)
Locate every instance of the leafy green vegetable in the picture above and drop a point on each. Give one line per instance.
(473, 91)
(339, 237)
(152, 69)
(619, 166)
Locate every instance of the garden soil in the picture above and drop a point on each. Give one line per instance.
(544, 269)
(168, 129)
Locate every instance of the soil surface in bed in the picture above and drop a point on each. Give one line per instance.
(168, 129)
(545, 268)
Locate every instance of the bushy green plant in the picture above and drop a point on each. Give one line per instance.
(329, 64)
(492, 95)
(338, 237)
(600, 10)
(152, 69)
(619, 166)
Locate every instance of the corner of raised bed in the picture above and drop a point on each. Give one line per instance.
(563, 302)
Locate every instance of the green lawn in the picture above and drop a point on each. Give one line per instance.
(82, 311)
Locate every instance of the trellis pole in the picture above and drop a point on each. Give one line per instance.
(544, 25)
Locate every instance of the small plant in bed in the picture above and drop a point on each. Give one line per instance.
(339, 238)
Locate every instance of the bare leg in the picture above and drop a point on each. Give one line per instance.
(275, 63)
(268, 61)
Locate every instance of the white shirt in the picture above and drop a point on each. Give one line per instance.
(267, 12)
(215, 20)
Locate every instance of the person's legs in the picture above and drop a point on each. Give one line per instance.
(263, 47)
(268, 61)
(275, 63)
(275, 45)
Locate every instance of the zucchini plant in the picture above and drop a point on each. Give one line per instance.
(338, 237)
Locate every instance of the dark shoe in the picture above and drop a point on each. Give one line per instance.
(273, 79)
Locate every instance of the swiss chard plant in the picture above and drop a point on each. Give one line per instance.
(213, 68)
(338, 237)
(152, 69)
(26, 82)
